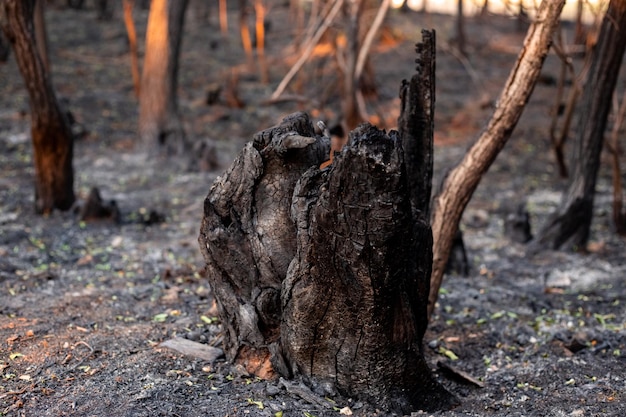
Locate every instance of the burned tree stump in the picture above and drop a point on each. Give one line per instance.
(323, 274)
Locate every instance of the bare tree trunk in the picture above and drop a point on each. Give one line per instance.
(244, 31)
(351, 114)
(569, 226)
(51, 136)
(335, 293)
(5, 48)
(484, 11)
(308, 48)
(132, 42)
(579, 34)
(41, 37)
(259, 11)
(619, 217)
(159, 122)
(461, 182)
(223, 12)
(460, 28)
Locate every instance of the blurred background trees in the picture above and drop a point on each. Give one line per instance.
(52, 138)
(312, 55)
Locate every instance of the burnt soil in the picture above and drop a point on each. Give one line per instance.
(84, 306)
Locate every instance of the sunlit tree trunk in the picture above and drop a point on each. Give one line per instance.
(569, 227)
(259, 10)
(159, 122)
(223, 12)
(132, 42)
(51, 136)
(244, 30)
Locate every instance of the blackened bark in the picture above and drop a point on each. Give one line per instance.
(51, 136)
(159, 123)
(416, 125)
(569, 226)
(335, 293)
(5, 48)
(248, 238)
(354, 300)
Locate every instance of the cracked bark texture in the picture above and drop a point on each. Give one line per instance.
(323, 274)
(355, 297)
(248, 238)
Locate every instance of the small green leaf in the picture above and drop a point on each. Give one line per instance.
(259, 404)
(160, 318)
(15, 355)
(448, 353)
(278, 414)
(498, 314)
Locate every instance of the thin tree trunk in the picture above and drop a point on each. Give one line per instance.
(579, 33)
(259, 10)
(244, 31)
(460, 28)
(308, 49)
(351, 114)
(41, 36)
(223, 13)
(364, 51)
(461, 182)
(132, 42)
(619, 217)
(569, 226)
(51, 136)
(159, 122)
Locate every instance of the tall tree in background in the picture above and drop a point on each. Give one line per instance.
(159, 122)
(51, 135)
(569, 226)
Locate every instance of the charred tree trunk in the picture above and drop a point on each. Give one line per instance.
(323, 274)
(159, 123)
(51, 136)
(569, 226)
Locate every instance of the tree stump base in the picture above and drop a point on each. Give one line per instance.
(323, 274)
